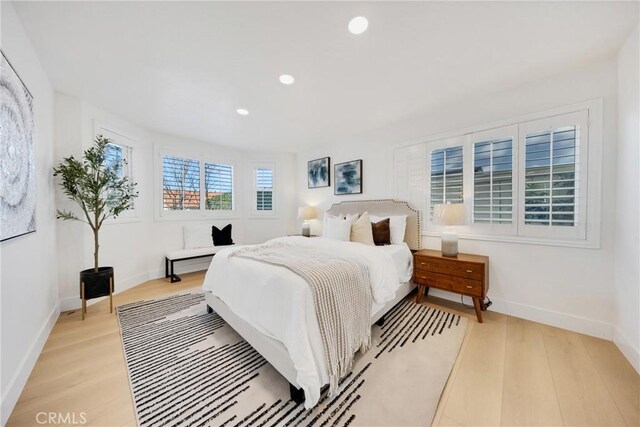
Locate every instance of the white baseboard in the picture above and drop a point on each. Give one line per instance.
(583, 325)
(14, 388)
(627, 348)
(74, 302)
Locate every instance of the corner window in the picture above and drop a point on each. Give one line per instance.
(263, 199)
(119, 157)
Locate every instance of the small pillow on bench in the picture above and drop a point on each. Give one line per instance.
(221, 237)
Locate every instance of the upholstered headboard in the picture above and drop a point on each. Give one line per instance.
(385, 207)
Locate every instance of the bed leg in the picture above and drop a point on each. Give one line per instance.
(297, 394)
(380, 321)
(209, 309)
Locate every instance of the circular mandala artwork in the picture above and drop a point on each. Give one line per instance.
(17, 169)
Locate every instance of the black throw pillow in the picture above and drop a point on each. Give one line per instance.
(221, 237)
(381, 232)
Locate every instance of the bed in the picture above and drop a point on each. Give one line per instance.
(272, 308)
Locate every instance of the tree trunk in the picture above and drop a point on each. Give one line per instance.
(96, 246)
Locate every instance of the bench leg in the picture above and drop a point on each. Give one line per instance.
(297, 394)
(380, 321)
(174, 278)
(166, 267)
(209, 309)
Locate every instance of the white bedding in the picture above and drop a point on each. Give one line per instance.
(279, 303)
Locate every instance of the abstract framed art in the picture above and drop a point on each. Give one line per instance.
(347, 178)
(319, 173)
(17, 168)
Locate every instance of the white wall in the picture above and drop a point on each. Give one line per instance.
(627, 231)
(136, 248)
(29, 268)
(574, 288)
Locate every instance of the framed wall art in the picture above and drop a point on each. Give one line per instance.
(319, 173)
(347, 178)
(17, 158)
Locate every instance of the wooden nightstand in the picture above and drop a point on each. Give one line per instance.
(465, 274)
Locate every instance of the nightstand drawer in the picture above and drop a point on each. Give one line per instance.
(454, 268)
(448, 283)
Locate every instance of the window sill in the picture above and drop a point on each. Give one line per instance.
(584, 244)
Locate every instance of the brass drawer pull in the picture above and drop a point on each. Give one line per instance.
(469, 271)
(423, 263)
(469, 287)
(424, 277)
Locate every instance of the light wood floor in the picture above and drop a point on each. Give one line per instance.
(509, 372)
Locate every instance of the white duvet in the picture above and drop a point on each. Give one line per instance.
(279, 303)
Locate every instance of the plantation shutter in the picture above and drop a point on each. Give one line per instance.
(550, 177)
(493, 181)
(553, 198)
(218, 180)
(113, 157)
(264, 189)
(181, 183)
(446, 179)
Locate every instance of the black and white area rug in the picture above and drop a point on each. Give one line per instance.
(189, 368)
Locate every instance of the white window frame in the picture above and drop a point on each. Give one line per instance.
(439, 145)
(130, 144)
(469, 173)
(588, 232)
(200, 214)
(577, 232)
(203, 189)
(254, 212)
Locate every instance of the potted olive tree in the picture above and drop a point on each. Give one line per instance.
(102, 192)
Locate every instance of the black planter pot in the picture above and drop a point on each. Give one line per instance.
(96, 284)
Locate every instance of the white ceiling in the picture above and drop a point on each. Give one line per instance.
(184, 68)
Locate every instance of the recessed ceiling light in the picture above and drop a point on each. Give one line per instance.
(287, 79)
(242, 111)
(358, 25)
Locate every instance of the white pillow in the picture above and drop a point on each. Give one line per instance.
(361, 231)
(397, 226)
(350, 219)
(197, 236)
(337, 229)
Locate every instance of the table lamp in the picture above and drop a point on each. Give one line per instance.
(449, 214)
(306, 213)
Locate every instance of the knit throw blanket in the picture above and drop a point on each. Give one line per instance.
(342, 298)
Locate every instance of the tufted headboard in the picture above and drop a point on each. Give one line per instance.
(385, 207)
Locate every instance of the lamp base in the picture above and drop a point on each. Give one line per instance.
(449, 245)
(306, 230)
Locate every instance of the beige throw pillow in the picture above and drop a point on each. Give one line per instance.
(361, 230)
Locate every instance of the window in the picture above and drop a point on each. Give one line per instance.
(526, 181)
(553, 176)
(262, 197)
(492, 181)
(218, 180)
(264, 189)
(446, 176)
(550, 177)
(192, 183)
(180, 184)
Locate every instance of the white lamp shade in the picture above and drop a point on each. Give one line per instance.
(450, 214)
(306, 212)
